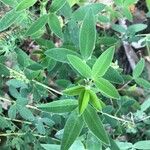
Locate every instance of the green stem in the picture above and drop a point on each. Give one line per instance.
(12, 101)
(116, 118)
(16, 120)
(37, 82)
(20, 134)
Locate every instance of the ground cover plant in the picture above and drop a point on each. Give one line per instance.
(74, 74)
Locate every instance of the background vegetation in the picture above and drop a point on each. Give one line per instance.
(74, 74)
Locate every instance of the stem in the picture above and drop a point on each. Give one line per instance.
(20, 134)
(148, 117)
(11, 101)
(124, 85)
(16, 120)
(116, 118)
(47, 87)
(37, 82)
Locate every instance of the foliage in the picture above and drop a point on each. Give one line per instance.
(61, 85)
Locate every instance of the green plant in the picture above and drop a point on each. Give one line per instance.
(59, 88)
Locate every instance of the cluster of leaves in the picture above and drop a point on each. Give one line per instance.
(63, 53)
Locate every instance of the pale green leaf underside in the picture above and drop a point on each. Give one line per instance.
(54, 25)
(87, 36)
(60, 54)
(102, 63)
(72, 130)
(37, 25)
(106, 88)
(25, 4)
(60, 106)
(138, 68)
(79, 65)
(95, 125)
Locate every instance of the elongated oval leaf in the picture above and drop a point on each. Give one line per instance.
(37, 25)
(148, 4)
(56, 5)
(74, 90)
(93, 143)
(136, 28)
(3, 70)
(94, 100)
(113, 76)
(143, 83)
(138, 68)
(102, 63)
(25, 4)
(143, 145)
(107, 88)
(95, 125)
(50, 146)
(80, 66)
(60, 106)
(54, 25)
(25, 113)
(72, 130)
(83, 101)
(113, 144)
(87, 36)
(60, 54)
(8, 19)
(80, 13)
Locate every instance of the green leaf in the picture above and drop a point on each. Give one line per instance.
(72, 130)
(118, 28)
(145, 105)
(93, 143)
(124, 145)
(12, 112)
(139, 68)
(45, 43)
(60, 54)
(50, 146)
(95, 100)
(54, 25)
(73, 91)
(60, 106)
(148, 4)
(80, 66)
(80, 13)
(17, 83)
(83, 101)
(143, 83)
(113, 144)
(113, 76)
(77, 145)
(118, 2)
(25, 113)
(11, 3)
(143, 145)
(72, 2)
(37, 25)
(57, 5)
(87, 36)
(106, 88)
(25, 4)
(102, 63)
(35, 66)
(127, 13)
(129, 2)
(8, 19)
(4, 71)
(95, 125)
(136, 28)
